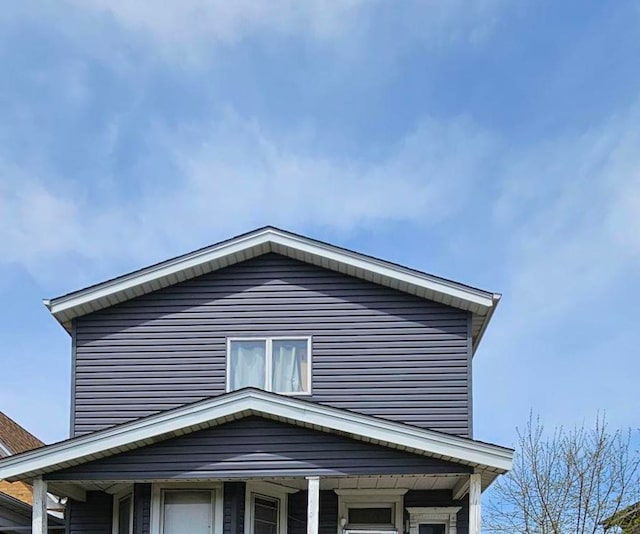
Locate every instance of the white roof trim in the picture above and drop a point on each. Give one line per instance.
(4, 450)
(256, 243)
(250, 401)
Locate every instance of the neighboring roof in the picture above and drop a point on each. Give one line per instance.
(21, 509)
(628, 518)
(18, 507)
(18, 490)
(16, 496)
(262, 241)
(15, 439)
(491, 459)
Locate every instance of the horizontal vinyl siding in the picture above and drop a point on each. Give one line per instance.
(253, 447)
(94, 516)
(327, 516)
(233, 506)
(142, 508)
(375, 350)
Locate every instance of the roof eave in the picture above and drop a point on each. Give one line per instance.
(253, 244)
(496, 297)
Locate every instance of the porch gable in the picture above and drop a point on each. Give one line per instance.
(256, 447)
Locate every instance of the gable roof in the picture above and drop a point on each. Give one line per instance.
(269, 239)
(491, 459)
(15, 439)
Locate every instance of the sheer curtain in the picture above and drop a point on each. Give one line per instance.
(248, 360)
(287, 372)
(287, 361)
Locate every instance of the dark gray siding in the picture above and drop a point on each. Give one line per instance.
(375, 350)
(14, 513)
(328, 516)
(91, 517)
(141, 508)
(440, 498)
(256, 447)
(233, 520)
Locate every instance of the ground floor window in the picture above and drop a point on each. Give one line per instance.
(123, 513)
(371, 510)
(433, 520)
(266, 514)
(265, 508)
(189, 509)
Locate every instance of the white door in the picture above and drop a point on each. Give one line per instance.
(187, 512)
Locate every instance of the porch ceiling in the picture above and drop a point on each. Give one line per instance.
(294, 484)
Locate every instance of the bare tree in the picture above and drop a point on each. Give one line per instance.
(568, 482)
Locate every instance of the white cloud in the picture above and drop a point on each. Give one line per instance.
(567, 217)
(186, 29)
(219, 20)
(237, 177)
(572, 207)
(268, 180)
(563, 340)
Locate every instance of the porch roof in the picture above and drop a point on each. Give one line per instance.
(491, 459)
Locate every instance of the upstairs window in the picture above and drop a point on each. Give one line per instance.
(278, 364)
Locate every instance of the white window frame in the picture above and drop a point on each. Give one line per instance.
(433, 515)
(269, 362)
(115, 522)
(371, 498)
(272, 491)
(217, 496)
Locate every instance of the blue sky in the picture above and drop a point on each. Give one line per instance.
(495, 142)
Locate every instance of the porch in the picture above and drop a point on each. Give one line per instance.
(402, 504)
(237, 460)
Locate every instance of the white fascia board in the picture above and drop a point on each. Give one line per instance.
(395, 434)
(268, 236)
(496, 297)
(271, 405)
(4, 450)
(151, 274)
(385, 269)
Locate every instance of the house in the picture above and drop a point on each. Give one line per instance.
(16, 497)
(270, 384)
(626, 521)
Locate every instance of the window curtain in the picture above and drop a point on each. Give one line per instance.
(287, 374)
(249, 362)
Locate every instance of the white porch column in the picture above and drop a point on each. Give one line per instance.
(39, 515)
(475, 490)
(313, 504)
